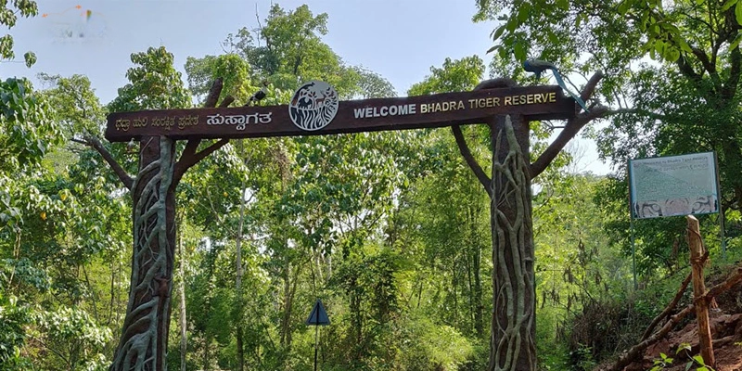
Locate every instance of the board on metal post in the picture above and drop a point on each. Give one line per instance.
(675, 185)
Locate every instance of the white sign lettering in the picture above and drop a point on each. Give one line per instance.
(240, 121)
(383, 111)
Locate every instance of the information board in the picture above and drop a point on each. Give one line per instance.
(673, 185)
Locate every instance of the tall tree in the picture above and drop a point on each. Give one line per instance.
(235, 74)
(26, 135)
(287, 50)
(455, 76)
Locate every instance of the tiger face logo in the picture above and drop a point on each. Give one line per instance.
(677, 206)
(313, 106)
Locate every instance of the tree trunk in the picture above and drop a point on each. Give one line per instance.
(454, 314)
(513, 319)
(113, 292)
(470, 287)
(476, 272)
(207, 360)
(288, 304)
(183, 319)
(143, 343)
(238, 280)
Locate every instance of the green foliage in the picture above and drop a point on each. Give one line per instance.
(453, 76)
(427, 345)
(370, 84)
(61, 231)
(391, 230)
(37, 211)
(696, 47)
(16, 314)
(9, 17)
(235, 73)
(592, 332)
(661, 363)
(665, 362)
(553, 353)
(323, 205)
(76, 108)
(154, 84)
(292, 44)
(582, 358)
(200, 75)
(31, 208)
(74, 337)
(575, 270)
(13, 321)
(26, 131)
(290, 51)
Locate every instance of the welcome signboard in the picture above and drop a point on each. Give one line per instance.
(315, 110)
(674, 185)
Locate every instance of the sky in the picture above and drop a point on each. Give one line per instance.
(399, 39)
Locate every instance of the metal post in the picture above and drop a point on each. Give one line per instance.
(722, 222)
(722, 235)
(633, 251)
(631, 223)
(316, 340)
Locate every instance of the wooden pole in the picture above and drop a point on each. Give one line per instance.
(699, 290)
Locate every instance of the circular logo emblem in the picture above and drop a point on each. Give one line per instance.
(313, 106)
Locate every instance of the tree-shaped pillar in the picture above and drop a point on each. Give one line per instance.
(512, 342)
(143, 340)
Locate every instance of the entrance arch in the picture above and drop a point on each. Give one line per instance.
(315, 110)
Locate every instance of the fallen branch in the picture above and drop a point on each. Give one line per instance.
(726, 341)
(726, 285)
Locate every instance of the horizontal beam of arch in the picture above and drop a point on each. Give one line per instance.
(352, 116)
